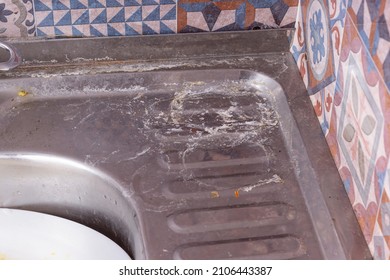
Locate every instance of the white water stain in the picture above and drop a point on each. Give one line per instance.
(274, 179)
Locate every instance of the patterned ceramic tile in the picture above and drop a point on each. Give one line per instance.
(104, 17)
(361, 134)
(316, 25)
(323, 105)
(382, 246)
(372, 19)
(17, 18)
(337, 11)
(354, 111)
(298, 47)
(222, 15)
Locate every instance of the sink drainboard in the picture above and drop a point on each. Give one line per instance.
(186, 165)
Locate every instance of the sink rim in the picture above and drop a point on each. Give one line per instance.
(25, 192)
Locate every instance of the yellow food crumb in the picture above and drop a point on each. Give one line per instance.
(22, 93)
(214, 194)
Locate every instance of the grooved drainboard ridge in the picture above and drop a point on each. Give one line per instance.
(284, 246)
(231, 217)
(219, 154)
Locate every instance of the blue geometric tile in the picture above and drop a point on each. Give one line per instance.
(83, 19)
(57, 5)
(95, 32)
(101, 18)
(40, 33)
(75, 4)
(149, 2)
(165, 29)
(194, 7)
(76, 32)
(130, 31)
(241, 15)
(105, 17)
(95, 4)
(39, 6)
(47, 21)
(58, 32)
(113, 3)
(222, 15)
(65, 20)
(262, 4)
(63, 30)
(146, 30)
(112, 31)
(136, 15)
(132, 3)
(279, 10)
(171, 15)
(154, 15)
(119, 17)
(132, 27)
(210, 14)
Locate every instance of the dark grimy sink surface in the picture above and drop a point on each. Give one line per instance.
(208, 163)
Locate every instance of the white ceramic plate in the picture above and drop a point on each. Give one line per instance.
(27, 235)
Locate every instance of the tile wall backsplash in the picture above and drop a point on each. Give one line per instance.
(21, 18)
(222, 15)
(342, 48)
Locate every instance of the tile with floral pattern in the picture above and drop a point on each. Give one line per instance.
(17, 18)
(337, 13)
(298, 47)
(318, 41)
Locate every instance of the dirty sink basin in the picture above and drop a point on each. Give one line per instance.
(183, 163)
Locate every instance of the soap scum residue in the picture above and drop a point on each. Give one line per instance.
(274, 179)
(188, 128)
(82, 59)
(86, 69)
(235, 128)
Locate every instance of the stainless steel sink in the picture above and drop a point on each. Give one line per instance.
(186, 157)
(69, 189)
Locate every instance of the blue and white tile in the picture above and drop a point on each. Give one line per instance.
(105, 17)
(17, 18)
(318, 41)
(337, 11)
(298, 47)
